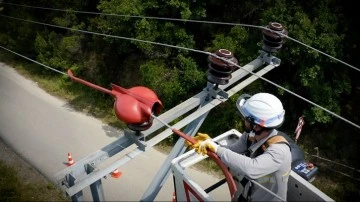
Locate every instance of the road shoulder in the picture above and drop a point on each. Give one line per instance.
(28, 175)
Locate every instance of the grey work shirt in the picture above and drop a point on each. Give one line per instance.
(271, 169)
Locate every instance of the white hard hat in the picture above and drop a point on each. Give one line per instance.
(263, 109)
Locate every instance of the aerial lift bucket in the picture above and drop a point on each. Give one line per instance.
(185, 187)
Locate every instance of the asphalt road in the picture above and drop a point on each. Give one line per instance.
(43, 129)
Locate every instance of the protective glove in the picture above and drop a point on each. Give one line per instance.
(205, 145)
(200, 137)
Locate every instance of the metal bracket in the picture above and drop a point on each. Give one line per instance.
(269, 59)
(134, 136)
(215, 92)
(71, 180)
(89, 168)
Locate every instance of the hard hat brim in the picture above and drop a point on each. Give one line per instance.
(240, 103)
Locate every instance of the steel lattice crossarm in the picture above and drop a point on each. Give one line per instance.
(87, 172)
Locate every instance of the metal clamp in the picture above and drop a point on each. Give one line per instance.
(269, 59)
(134, 137)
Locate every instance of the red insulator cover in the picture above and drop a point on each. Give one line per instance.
(135, 105)
(147, 96)
(132, 106)
(130, 110)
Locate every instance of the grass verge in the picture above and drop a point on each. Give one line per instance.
(19, 181)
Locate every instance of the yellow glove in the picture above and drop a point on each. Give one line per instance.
(205, 145)
(200, 137)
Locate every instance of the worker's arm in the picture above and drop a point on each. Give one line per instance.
(257, 167)
(202, 144)
(240, 146)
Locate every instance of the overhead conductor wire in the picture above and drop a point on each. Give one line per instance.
(60, 72)
(163, 122)
(188, 49)
(184, 20)
(171, 19)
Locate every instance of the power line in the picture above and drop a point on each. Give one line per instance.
(137, 16)
(351, 66)
(334, 162)
(188, 49)
(60, 72)
(187, 20)
(107, 35)
(342, 173)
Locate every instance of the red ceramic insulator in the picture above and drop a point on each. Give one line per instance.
(273, 37)
(220, 70)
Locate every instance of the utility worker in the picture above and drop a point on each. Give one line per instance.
(260, 160)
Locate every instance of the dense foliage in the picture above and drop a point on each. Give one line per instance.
(176, 74)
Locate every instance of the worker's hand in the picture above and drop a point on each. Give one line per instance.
(200, 137)
(205, 145)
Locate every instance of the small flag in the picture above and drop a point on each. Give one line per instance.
(299, 127)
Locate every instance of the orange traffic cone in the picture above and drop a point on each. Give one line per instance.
(70, 160)
(174, 197)
(116, 173)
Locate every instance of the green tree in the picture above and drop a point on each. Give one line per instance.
(171, 83)
(177, 72)
(308, 72)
